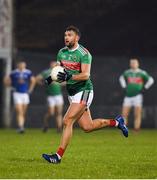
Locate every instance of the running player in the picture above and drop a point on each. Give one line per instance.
(22, 81)
(135, 81)
(54, 99)
(77, 62)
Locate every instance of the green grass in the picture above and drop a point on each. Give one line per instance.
(101, 154)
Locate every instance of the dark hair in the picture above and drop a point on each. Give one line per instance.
(135, 57)
(75, 29)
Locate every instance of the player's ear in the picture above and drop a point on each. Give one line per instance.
(77, 38)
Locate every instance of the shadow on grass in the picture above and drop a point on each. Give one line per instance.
(29, 160)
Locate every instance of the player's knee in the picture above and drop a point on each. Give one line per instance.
(50, 113)
(67, 122)
(87, 129)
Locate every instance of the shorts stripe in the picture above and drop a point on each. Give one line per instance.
(82, 96)
(88, 96)
(85, 97)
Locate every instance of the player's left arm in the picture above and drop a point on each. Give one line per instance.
(7, 81)
(86, 61)
(32, 84)
(149, 81)
(85, 73)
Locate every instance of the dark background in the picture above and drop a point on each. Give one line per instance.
(109, 27)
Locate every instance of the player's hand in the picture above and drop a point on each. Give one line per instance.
(143, 91)
(30, 92)
(48, 80)
(63, 76)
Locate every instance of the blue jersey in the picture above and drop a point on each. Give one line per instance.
(20, 80)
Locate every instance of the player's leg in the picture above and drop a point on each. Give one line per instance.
(18, 104)
(78, 106)
(125, 113)
(59, 117)
(19, 117)
(49, 113)
(58, 112)
(138, 101)
(88, 125)
(126, 107)
(25, 101)
(138, 117)
(23, 115)
(73, 113)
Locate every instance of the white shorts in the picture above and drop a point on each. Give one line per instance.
(133, 101)
(55, 100)
(83, 97)
(21, 98)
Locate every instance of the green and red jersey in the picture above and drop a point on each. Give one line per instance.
(54, 88)
(135, 81)
(71, 60)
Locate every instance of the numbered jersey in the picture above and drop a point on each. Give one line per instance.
(71, 60)
(135, 81)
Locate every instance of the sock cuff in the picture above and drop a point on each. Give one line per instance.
(113, 123)
(60, 152)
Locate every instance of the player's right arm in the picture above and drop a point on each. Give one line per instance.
(39, 79)
(7, 81)
(49, 80)
(84, 73)
(123, 81)
(85, 68)
(149, 81)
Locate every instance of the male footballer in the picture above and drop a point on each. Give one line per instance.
(135, 81)
(55, 99)
(22, 82)
(77, 63)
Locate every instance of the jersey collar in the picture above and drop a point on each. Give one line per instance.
(20, 71)
(71, 50)
(137, 70)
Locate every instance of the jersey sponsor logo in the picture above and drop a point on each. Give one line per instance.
(74, 58)
(136, 80)
(71, 65)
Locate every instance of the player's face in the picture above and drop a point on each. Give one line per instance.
(134, 64)
(70, 39)
(22, 65)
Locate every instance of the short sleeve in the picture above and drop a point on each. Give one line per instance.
(125, 74)
(146, 76)
(86, 59)
(30, 74)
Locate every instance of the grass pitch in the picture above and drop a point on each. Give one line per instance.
(101, 154)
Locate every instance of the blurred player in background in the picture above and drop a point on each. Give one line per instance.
(54, 99)
(135, 81)
(77, 62)
(22, 82)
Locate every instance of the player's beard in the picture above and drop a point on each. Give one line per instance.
(71, 45)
